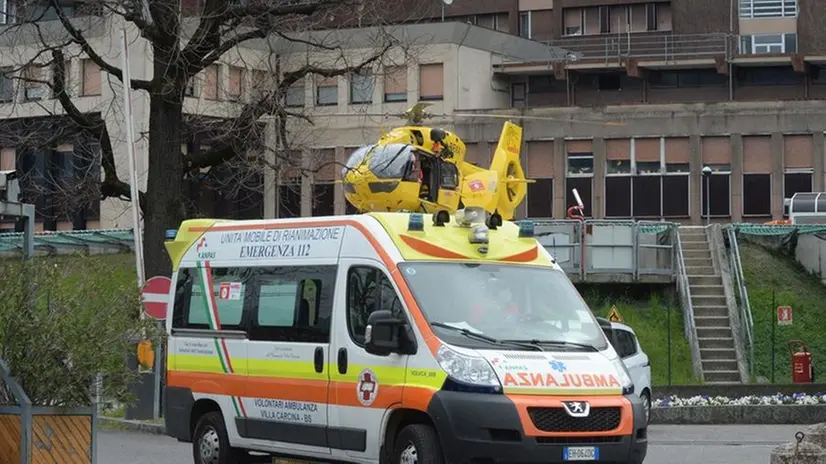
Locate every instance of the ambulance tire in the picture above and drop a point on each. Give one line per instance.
(419, 444)
(217, 450)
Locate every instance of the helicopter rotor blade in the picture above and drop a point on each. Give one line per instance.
(472, 115)
(534, 118)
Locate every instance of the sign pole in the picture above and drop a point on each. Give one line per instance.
(668, 327)
(129, 124)
(130, 150)
(774, 328)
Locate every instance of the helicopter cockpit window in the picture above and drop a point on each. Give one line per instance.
(355, 159)
(394, 161)
(449, 175)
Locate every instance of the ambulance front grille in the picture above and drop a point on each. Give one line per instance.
(557, 420)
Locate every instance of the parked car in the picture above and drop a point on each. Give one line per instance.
(636, 361)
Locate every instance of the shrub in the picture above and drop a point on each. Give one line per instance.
(63, 321)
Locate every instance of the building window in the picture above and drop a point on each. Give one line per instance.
(694, 78)
(574, 21)
(525, 24)
(361, 87)
(540, 167)
(431, 81)
(395, 84)
(91, 78)
(795, 181)
(647, 178)
(34, 90)
(518, 91)
(211, 78)
(579, 173)
(768, 43)
(541, 198)
(326, 91)
(769, 75)
(295, 95)
(768, 8)
(756, 195)
(6, 85)
(235, 87)
(718, 186)
(263, 83)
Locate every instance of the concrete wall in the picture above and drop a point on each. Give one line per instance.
(811, 253)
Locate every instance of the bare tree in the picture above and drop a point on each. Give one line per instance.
(184, 40)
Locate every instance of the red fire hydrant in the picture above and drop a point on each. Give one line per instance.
(802, 368)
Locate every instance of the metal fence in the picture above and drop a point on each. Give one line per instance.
(68, 242)
(33, 434)
(601, 250)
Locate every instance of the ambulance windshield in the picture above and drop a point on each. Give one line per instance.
(505, 302)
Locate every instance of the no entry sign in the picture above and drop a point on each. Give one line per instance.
(155, 297)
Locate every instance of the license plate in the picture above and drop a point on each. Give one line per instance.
(580, 453)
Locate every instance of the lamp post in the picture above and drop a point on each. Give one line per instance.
(707, 177)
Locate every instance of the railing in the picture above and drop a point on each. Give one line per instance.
(58, 243)
(684, 289)
(747, 321)
(655, 46)
(659, 47)
(604, 247)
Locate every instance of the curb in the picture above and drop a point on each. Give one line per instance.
(797, 414)
(132, 426)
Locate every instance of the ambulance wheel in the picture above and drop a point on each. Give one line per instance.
(210, 444)
(417, 444)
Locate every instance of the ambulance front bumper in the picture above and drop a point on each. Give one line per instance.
(478, 428)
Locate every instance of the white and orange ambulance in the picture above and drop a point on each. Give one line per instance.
(388, 338)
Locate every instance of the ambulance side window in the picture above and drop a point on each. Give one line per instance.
(368, 290)
(196, 306)
(293, 304)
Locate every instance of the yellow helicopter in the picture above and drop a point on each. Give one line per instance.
(421, 168)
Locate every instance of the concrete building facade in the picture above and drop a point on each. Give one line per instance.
(638, 97)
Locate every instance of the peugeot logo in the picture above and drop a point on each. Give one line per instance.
(577, 408)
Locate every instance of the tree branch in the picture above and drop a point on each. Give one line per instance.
(206, 46)
(79, 39)
(269, 104)
(111, 186)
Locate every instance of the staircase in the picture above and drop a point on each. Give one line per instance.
(711, 314)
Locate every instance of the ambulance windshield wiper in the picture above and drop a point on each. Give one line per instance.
(486, 338)
(536, 342)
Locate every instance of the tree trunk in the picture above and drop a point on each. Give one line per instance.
(165, 193)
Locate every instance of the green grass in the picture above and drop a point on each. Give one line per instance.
(649, 319)
(766, 271)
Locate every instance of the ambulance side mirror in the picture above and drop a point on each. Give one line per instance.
(384, 334)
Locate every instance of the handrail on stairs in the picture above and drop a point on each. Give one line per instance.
(684, 289)
(745, 307)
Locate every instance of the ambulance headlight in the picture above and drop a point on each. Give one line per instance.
(624, 377)
(471, 371)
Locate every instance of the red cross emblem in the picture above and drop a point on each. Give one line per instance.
(367, 387)
(476, 185)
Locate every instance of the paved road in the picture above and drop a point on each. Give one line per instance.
(669, 444)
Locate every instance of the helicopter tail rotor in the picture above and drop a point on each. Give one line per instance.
(503, 187)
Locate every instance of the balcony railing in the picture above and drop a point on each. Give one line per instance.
(649, 46)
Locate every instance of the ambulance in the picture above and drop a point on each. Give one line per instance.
(388, 338)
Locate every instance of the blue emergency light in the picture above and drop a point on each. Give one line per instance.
(416, 222)
(171, 233)
(526, 228)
